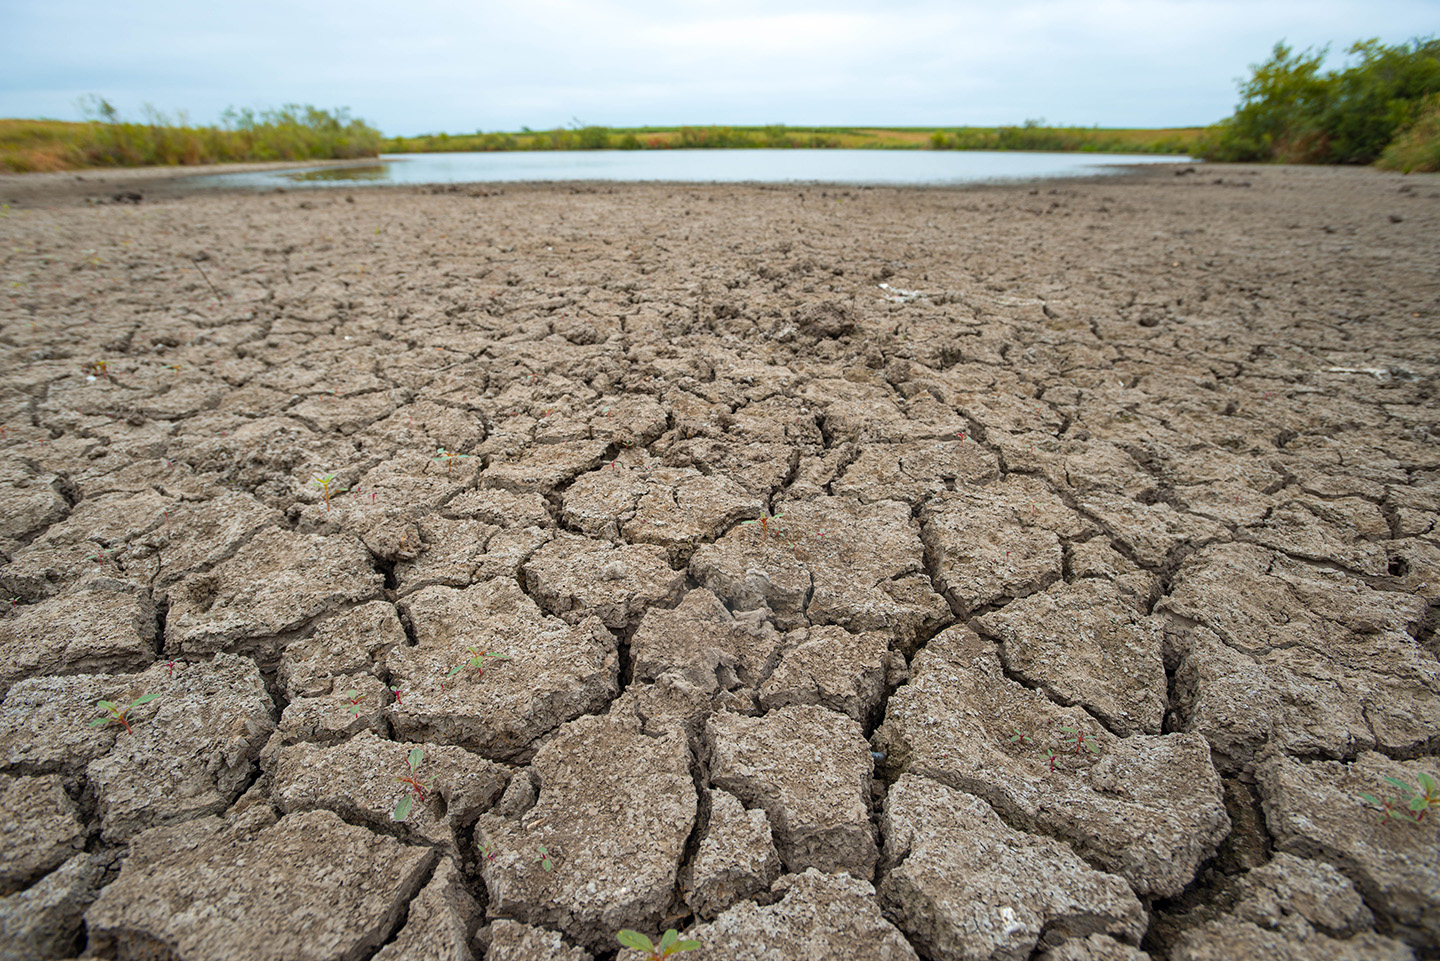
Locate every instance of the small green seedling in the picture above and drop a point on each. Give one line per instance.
(670, 943)
(1412, 804)
(1019, 737)
(324, 484)
(477, 661)
(544, 859)
(448, 456)
(353, 699)
(1082, 740)
(118, 714)
(765, 520)
(414, 783)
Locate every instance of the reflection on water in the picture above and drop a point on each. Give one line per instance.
(346, 174)
(897, 167)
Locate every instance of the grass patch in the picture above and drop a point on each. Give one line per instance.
(1030, 136)
(293, 132)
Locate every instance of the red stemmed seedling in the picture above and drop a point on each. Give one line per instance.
(477, 661)
(416, 785)
(544, 858)
(1019, 737)
(765, 521)
(1083, 740)
(324, 484)
(448, 456)
(1413, 803)
(670, 943)
(119, 713)
(353, 699)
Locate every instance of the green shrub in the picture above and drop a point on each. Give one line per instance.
(1291, 112)
(1417, 148)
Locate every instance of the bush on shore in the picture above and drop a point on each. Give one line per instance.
(1417, 148)
(1292, 112)
(293, 132)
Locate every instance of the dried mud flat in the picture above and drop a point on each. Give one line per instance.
(1013, 572)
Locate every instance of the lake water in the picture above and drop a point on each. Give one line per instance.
(912, 167)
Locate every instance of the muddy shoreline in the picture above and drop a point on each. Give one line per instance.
(1037, 570)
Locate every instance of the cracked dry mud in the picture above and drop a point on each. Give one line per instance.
(1033, 571)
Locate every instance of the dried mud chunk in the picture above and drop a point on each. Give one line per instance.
(993, 543)
(197, 536)
(683, 507)
(809, 769)
(736, 859)
(193, 754)
(31, 503)
(827, 318)
(759, 469)
(438, 923)
(555, 671)
(513, 941)
(1149, 809)
(312, 883)
(337, 714)
(914, 471)
(87, 631)
(500, 507)
(43, 921)
(1343, 671)
(1291, 908)
(508, 549)
(449, 554)
(964, 885)
(39, 829)
(345, 415)
(833, 668)
(275, 583)
(356, 779)
(829, 560)
(819, 917)
(541, 467)
(701, 640)
(1097, 947)
(354, 642)
(1084, 643)
(95, 540)
(576, 577)
(615, 809)
(1151, 532)
(1313, 810)
(632, 419)
(1343, 531)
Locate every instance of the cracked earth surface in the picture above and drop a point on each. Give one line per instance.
(1035, 571)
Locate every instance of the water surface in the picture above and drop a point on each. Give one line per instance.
(910, 167)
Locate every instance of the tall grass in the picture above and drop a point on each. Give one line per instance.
(293, 132)
(1417, 148)
(777, 136)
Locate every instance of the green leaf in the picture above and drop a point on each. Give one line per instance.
(1069, 730)
(1419, 804)
(635, 941)
(669, 938)
(417, 755)
(144, 699)
(100, 722)
(1428, 783)
(1091, 748)
(1371, 799)
(687, 946)
(1402, 785)
(108, 705)
(455, 670)
(402, 808)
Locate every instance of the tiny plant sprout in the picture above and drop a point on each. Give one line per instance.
(670, 943)
(1083, 741)
(118, 713)
(1413, 803)
(765, 520)
(544, 857)
(477, 661)
(1019, 737)
(448, 456)
(353, 699)
(324, 484)
(412, 780)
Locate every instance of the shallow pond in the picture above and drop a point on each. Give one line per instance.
(913, 167)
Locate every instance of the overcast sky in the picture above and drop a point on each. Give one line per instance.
(417, 66)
